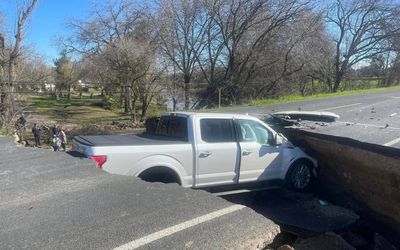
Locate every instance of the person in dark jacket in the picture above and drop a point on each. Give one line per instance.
(55, 130)
(36, 131)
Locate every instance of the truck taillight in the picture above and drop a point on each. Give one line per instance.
(100, 159)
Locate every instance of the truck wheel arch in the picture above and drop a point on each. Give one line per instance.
(160, 174)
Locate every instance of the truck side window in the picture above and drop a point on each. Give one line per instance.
(173, 127)
(217, 130)
(253, 131)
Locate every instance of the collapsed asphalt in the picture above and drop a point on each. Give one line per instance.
(52, 200)
(371, 117)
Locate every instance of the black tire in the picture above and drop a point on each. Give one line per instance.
(300, 176)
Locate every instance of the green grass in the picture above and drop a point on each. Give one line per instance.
(3, 132)
(83, 111)
(294, 98)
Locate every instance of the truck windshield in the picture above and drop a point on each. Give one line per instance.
(174, 127)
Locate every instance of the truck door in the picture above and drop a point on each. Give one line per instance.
(217, 153)
(259, 158)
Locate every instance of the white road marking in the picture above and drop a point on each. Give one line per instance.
(339, 107)
(177, 228)
(395, 97)
(391, 143)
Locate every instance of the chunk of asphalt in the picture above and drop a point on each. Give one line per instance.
(327, 241)
(302, 214)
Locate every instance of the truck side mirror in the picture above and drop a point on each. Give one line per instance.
(278, 140)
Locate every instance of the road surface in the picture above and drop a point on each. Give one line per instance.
(51, 200)
(372, 117)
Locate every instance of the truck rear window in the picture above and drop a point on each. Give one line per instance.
(174, 127)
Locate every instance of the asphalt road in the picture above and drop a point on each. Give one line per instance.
(52, 200)
(55, 201)
(372, 117)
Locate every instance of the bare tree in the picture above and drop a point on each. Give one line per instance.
(11, 60)
(360, 30)
(242, 28)
(118, 43)
(110, 24)
(180, 27)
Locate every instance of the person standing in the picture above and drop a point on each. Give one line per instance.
(20, 127)
(55, 130)
(56, 142)
(63, 138)
(36, 131)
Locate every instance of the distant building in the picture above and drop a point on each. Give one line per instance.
(86, 87)
(49, 87)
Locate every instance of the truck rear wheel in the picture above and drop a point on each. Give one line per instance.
(300, 176)
(160, 174)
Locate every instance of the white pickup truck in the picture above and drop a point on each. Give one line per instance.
(203, 150)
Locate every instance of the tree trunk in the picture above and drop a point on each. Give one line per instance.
(145, 106)
(133, 111)
(312, 85)
(127, 99)
(338, 80)
(9, 92)
(303, 89)
(186, 91)
(69, 91)
(174, 102)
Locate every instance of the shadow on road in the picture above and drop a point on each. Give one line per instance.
(302, 214)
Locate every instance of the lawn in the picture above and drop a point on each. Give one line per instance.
(293, 98)
(85, 111)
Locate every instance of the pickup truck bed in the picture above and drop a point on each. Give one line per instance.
(126, 140)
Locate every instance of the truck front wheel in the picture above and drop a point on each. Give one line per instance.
(300, 177)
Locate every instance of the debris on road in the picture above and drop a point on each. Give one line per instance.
(300, 119)
(307, 115)
(394, 114)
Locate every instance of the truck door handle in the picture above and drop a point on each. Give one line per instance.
(205, 154)
(246, 152)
